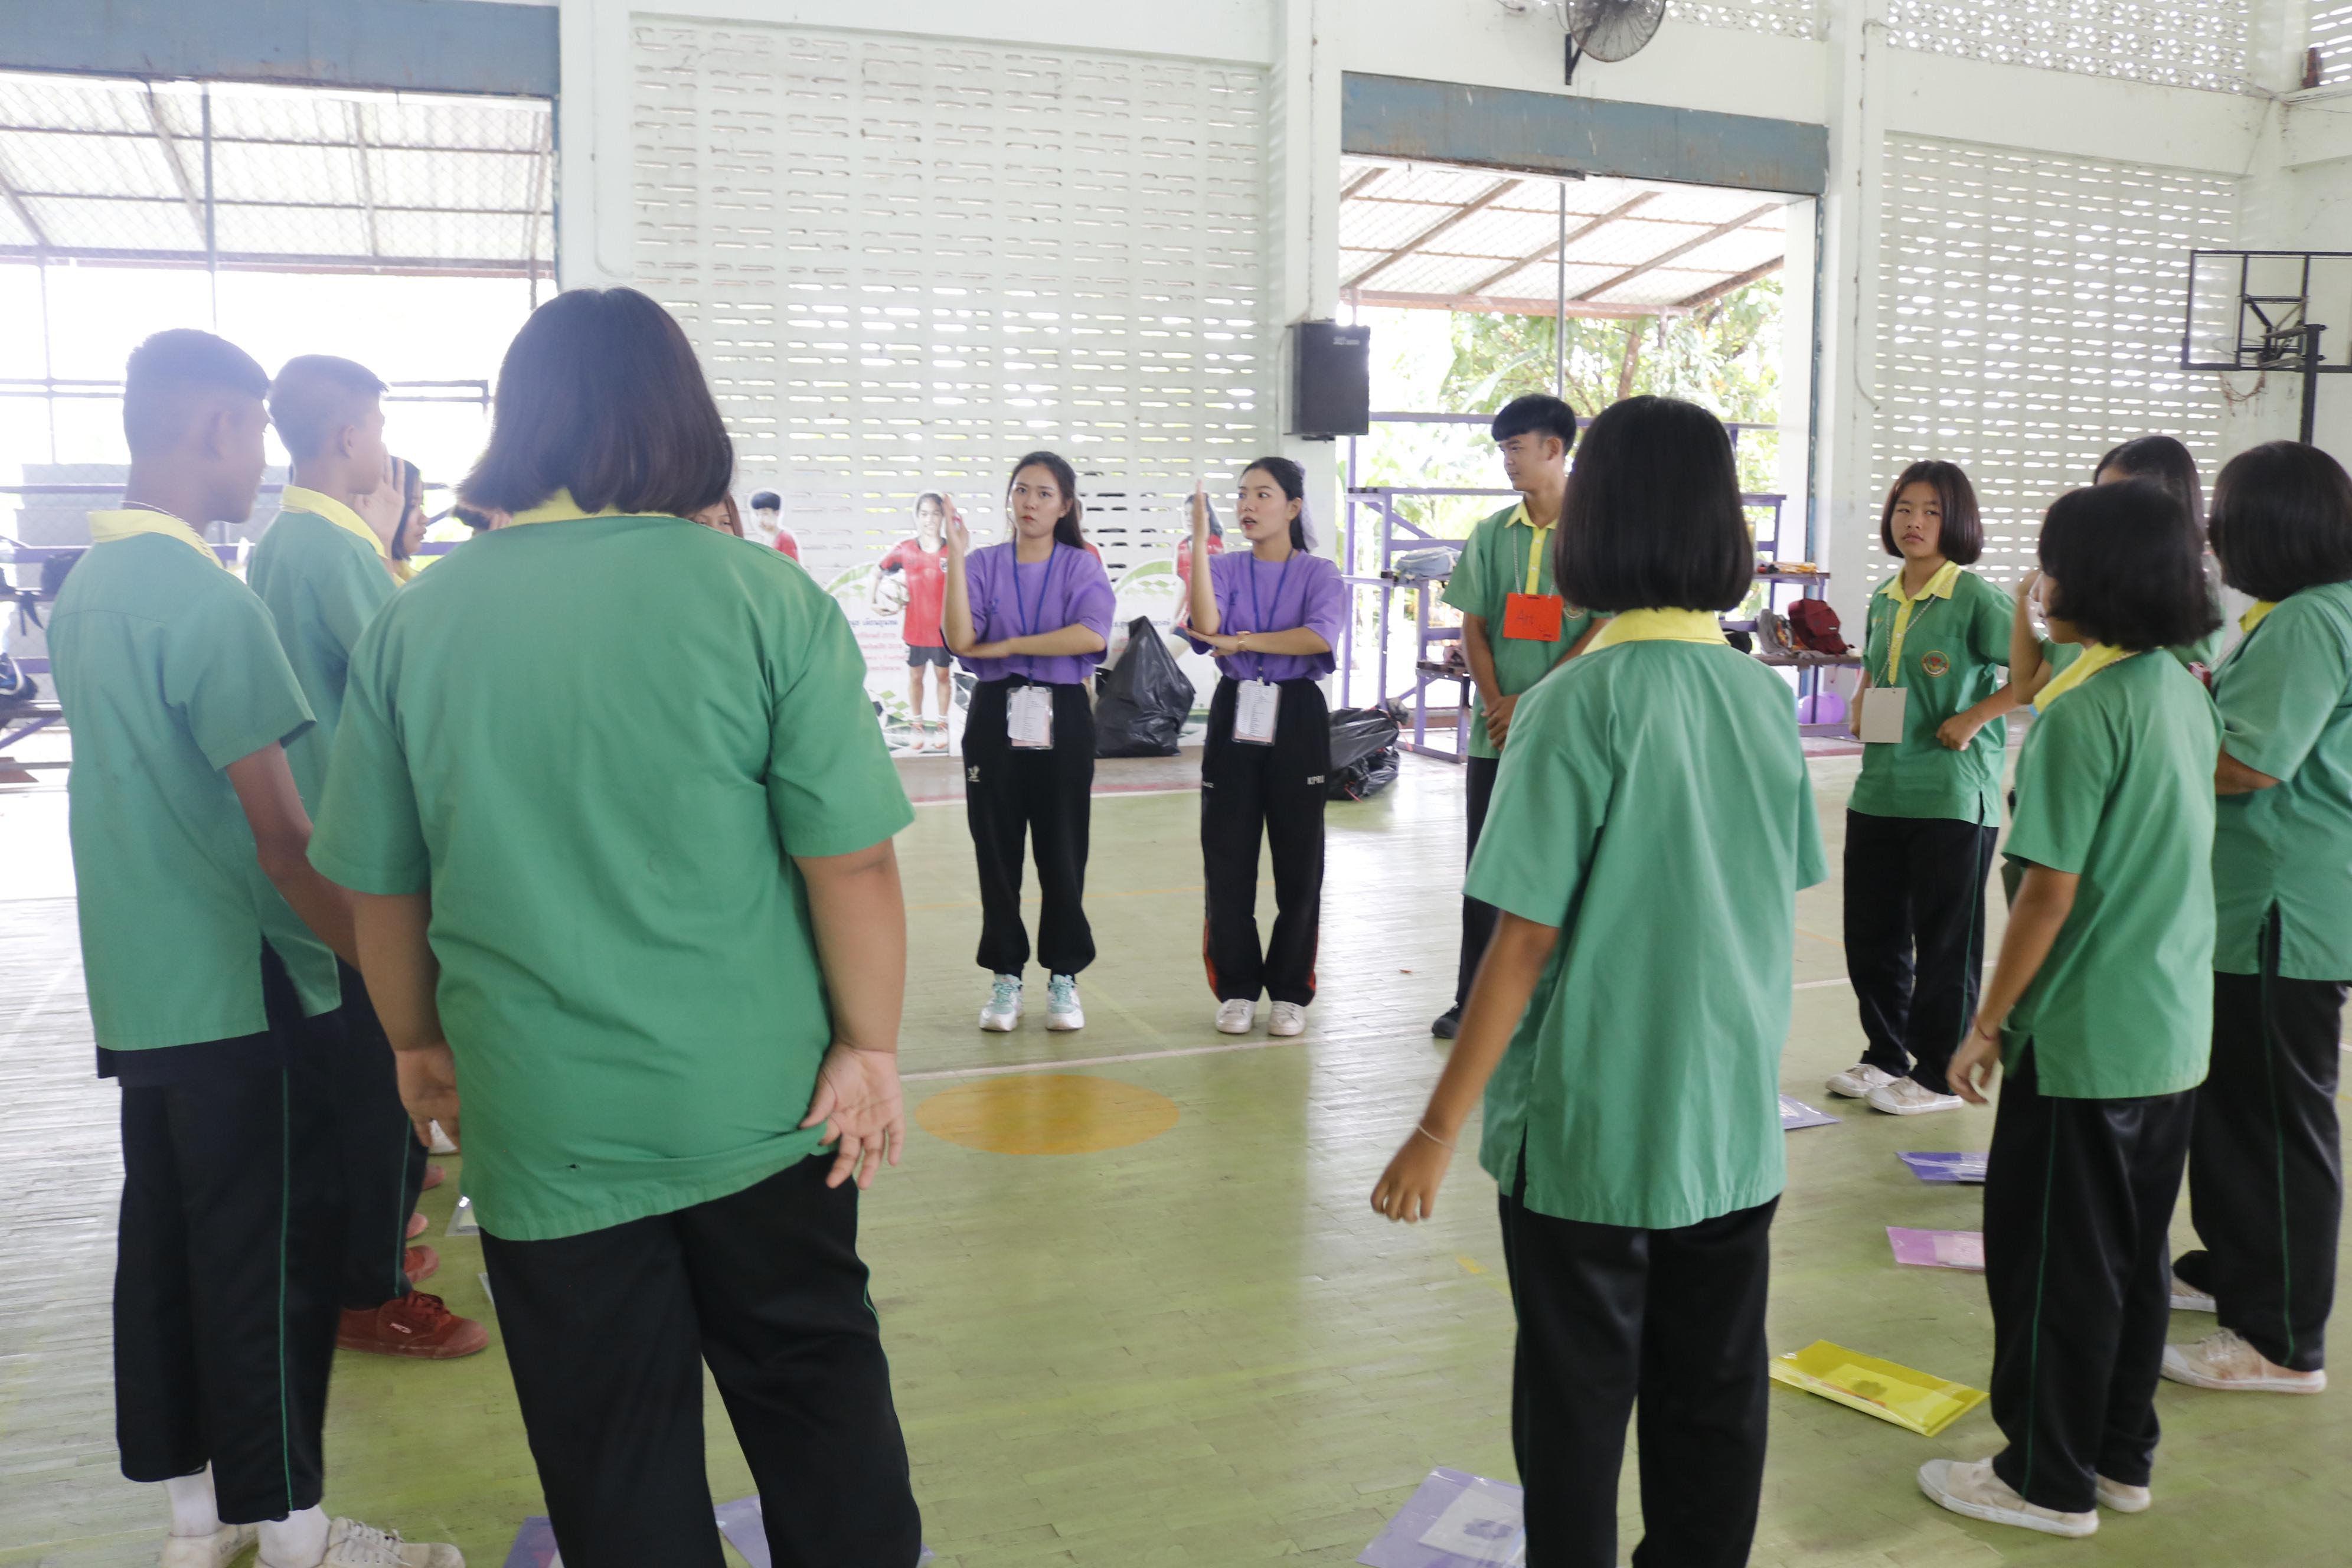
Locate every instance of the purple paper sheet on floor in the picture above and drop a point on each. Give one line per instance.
(1454, 1520)
(1938, 1248)
(1796, 1113)
(1946, 1167)
(747, 1532)
(534, 1546)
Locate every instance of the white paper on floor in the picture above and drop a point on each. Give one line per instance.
(1454, 1520)
(462, 1223)
(741, 1522)
(493, 1300)
(1796, 1113)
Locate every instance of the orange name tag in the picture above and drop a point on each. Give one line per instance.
(1533, 617)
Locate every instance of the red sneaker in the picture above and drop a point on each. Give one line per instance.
(420, 1264)
(434, 1176)
(416, 1325)
(416, 1223)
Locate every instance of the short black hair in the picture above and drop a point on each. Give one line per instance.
(314, 396)
(472, 517)
(1538, 413)
(166, 376)
(599, 395)
(1652, 519)
(767, 501)
(1962, 539)
(2282, 520)
(2163, 460)
(2129, 564)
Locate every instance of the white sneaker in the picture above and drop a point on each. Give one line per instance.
(1003, 1009)
(1969, 1488)
(215, 1551)
(1858, 1080)
(1234, 1016)
(1909, 1097)
(2187, 1297)
(2224, 1361)
(1062, 1009)
(1289, 1019)
(351, 1544)
(2123, 1498)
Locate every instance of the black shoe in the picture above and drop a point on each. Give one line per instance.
(1449, 1023)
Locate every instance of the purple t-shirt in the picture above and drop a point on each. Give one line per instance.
(1069, 588)
(1301, 590)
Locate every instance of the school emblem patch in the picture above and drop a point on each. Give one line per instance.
(1933, 663)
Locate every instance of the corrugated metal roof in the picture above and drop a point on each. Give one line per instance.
(104, 169)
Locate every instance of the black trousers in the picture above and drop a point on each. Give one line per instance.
(1277, 791)
(224, 1272)
(2077, 1206)
(1665, 1324)
(383, 1163)
(2265, 1170)
(607, 1334)
(1046, 797)
(1478, 917)
(1915, 918)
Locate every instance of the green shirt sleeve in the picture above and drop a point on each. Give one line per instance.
(1551, 800)
(1467, 589)
(2278, 691)
(226, 674)
(1813, 861)
(2062, 784)
(831, 786)
(369, 837)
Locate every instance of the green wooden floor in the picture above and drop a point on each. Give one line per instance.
(1202, 1349)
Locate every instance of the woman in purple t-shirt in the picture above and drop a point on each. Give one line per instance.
(1030, 619)
(1271, 617)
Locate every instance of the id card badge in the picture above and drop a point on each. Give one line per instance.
(1253, 713)
(1030, 718)
(1882, 714)
(1533, 617)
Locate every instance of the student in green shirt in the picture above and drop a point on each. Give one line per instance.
(1516, 627)
(631, 905)
(1920, 825)
(324, 573)
(206, 938)
(2265, 1175)
(2100, 1014)
(1652, 824)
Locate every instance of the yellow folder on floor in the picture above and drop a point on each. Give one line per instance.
(1913, 1400)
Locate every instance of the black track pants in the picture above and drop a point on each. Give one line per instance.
(1477, 918)
(1279, 792)
(1043, 797)
(383, 1163)
(1915, 919)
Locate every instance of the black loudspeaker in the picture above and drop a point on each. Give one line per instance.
(1330, 380)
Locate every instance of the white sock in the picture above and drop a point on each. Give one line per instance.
(298, 1541)
(193, 1512)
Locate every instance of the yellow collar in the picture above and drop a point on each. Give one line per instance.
(1519, 519)
(2256, 614)
(2095, 657)
(1659, 626)
(318, 503)
(1939, 586)
(129, 522)
(559, 507)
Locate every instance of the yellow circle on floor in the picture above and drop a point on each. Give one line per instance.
(1046, 1113)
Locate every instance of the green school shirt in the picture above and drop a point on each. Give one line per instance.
(169, 669)
(1493, 567)
(2115, 785)
(1954, 657)
(1659, 789)
(323, 584)
(596, 741)
(2286, 698)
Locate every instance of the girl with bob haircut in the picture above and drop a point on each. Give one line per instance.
(2099, 1013)
(1920, 825)
(1029, 618)
(1632, 1118)
(1270, 615)
(559, 866)
(2266, 1182)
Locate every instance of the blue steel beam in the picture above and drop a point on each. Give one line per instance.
(1554, 133)
(414, 45)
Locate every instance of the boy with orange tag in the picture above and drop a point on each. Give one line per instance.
(1503, 579)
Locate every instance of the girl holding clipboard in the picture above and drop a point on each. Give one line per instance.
(1271, 617)
(1028, 618)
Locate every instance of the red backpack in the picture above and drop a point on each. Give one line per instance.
(1814, 625)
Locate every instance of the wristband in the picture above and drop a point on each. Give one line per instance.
(1423, 1130)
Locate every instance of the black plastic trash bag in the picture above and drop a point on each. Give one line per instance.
(1364, 752)
(1145, 698)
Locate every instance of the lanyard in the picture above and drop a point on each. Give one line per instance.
(1904, 608)
(1535, 551)
(1257, 615)
(1026, 620)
